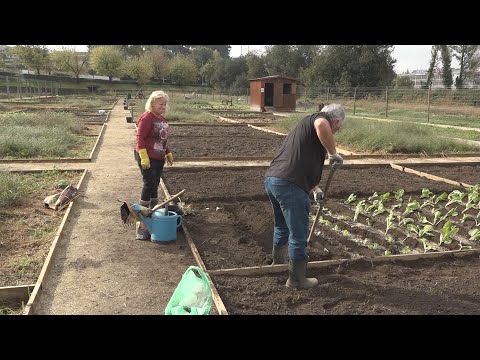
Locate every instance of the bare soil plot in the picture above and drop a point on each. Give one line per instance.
(232, 220)
(226, 140)
(232, 225)
(445, 286)
(469, 174)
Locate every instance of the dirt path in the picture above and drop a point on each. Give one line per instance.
(99, 268)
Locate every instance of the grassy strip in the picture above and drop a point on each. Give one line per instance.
(37, 135)
(367, 135)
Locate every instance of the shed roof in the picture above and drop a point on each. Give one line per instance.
(274, 77)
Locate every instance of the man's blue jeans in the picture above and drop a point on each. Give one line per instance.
(291, 207)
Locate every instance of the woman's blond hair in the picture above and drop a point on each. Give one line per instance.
(159, 94)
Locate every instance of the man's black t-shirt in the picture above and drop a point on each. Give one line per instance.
(301, 156)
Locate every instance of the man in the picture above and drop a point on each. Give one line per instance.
(294, 173)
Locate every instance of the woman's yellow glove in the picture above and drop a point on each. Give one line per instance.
(169, 158)
(145, 160)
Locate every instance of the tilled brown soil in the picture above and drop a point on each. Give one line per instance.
(232, 225)
(469, 174)
(229, 140)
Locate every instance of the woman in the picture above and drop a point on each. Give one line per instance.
(151, 150)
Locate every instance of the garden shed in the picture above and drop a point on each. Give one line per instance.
(273, 93)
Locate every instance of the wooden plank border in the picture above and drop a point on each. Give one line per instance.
(95, 147)
(273, 269)
(428, 176)
(215, 295)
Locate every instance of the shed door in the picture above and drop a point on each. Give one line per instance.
(268, 94)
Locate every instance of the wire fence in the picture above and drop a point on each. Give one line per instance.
(378, 101)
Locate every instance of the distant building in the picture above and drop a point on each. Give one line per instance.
(419, 78)
(277, 93)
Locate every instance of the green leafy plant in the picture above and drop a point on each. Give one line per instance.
(390, 221)
(447, 232)
(399, 194)
(351, 199)
(359, 209)
(442, 197)
(426, 193)
(411, 207)
(456, 196)
(474, 234)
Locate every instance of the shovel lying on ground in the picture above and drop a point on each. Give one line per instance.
(320, 203)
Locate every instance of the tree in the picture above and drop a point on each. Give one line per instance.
(256, 66)
(182, 70)
(356, 65)
(433, 64)
(140, 69)
(281, 60)
(2, 59)
(311, 75)
(33, 56)
(70, 61)
(305, 54)
(235, 73)
(201, 55)
(106, 60)
(446, 68)
(212, 71)
(159, 60)
(177, 49)
(468, 59)
(130, 51)
(223, 50)
(404, 81)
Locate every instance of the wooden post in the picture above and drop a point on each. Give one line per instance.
(305, 107)
(8, 90)
(428, 108)
(19, 88)
(354, 99)
(328, 93)
(386, 102)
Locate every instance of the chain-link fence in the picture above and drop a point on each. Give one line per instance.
(391, 102)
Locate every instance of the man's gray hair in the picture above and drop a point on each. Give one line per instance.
(336, 112)
(159, 94)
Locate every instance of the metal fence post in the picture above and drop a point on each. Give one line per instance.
(305, 107)
(386, 102)
(8, 89)
(354, 99)
(428, 108)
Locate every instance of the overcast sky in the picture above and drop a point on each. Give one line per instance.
(409, 57)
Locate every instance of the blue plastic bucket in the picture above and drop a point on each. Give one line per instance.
(164, 228)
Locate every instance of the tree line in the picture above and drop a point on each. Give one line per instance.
(311, 65)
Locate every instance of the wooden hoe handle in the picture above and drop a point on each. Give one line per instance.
(156, 207)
